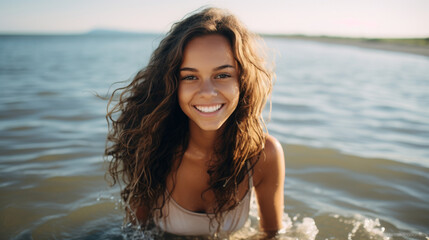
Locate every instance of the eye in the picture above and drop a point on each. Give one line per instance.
(223, 75)
(189, 77)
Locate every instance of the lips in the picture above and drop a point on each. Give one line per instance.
(208, 109)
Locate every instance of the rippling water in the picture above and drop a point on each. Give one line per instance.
(365, 102)
(370, 105)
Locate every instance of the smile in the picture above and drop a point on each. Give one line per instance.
(208, 109)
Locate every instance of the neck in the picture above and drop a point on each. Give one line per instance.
(202, 142)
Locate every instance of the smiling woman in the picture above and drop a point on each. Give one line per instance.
(189, 139)
(208, 91)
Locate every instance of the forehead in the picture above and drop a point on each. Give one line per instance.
(213, 48)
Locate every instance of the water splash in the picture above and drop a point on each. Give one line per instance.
(370, 228)
(296, 228)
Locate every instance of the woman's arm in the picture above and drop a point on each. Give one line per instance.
(270, 175)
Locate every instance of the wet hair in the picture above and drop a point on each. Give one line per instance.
(148, 132)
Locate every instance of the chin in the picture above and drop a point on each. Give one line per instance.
(210, 126)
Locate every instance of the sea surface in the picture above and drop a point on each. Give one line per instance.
(354, 124)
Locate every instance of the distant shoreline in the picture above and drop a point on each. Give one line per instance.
(419, 46)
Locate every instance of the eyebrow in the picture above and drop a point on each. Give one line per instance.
(215, 69)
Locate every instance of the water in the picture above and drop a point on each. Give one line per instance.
(365, 102)
(354, 122)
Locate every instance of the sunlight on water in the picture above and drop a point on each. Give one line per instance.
(340, 99)
(361, 101)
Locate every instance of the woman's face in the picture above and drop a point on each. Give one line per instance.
(208, 89)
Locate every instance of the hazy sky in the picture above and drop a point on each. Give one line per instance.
(360, 18)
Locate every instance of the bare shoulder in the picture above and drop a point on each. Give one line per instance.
(271, 161)
(273, 149)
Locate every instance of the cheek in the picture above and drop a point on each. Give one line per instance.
(185, 94)
(181, 95)
(235, 93)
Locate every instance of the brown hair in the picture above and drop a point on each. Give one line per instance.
(148, 130)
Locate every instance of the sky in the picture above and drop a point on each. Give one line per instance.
(358, 18)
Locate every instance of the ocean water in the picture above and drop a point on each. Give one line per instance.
(354, 123)
(365, 102)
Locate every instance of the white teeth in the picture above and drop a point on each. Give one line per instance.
(208, 109)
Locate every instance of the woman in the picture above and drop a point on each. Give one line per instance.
(187, 135)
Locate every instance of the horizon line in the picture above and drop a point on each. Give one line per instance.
(115, 31)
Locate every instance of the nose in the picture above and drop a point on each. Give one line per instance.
(207, 88)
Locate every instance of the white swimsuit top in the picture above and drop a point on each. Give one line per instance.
(180, 221)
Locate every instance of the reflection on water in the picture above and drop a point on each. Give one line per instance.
(363, 102)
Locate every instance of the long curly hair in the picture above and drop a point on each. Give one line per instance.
(148, 130)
